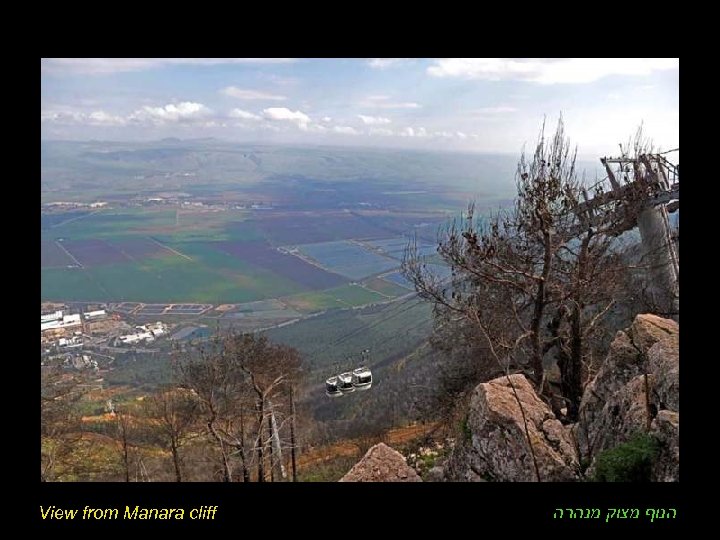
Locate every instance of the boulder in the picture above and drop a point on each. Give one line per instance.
(636, 390)
(496, 445)
(649, 346)
(382, 464)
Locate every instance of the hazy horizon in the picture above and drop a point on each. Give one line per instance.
(492, 106)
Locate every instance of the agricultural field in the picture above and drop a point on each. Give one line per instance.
(130, 255)
(302, 228)
(396, 247)
(159, 255)
(264, 256)
(66, 284)
(384, 287)
(226, 218)
(263, 310)
(399, 279)
(349, 259)
(340, 297)
(52, 255)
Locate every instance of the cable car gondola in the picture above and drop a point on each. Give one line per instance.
(362, 378)
(331, 387)
(345, 382)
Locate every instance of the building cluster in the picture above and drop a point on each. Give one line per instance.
(65, 205)
(71, 342)
(60, 320)
(147, 332)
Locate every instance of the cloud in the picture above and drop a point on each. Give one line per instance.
(186, 111)
(373, 120)
(384, 102)
(62, 116)
(241, 93)
(495, 110)
(548, 71)
(381, 131)
(383, 63)
(407, 132)
(183, 112)
(101, 118)
(345, 130)
(243, 115)
(283, 114)
(99, 66)
(326, 119)
(67, 116)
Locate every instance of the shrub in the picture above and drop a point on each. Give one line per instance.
(627, 462)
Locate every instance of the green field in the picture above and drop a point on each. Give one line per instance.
(69, 284)
(339, 297)
(196, 273)
(385, 287)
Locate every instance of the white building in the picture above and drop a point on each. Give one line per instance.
(50, 325)
(71, 320)
(158, 329)
(137, 337)
(72, 342)
(67, 321)
(51, 317)
(94, 315)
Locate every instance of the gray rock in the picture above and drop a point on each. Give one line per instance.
(635, 390)
(382, 464)
(498, 448)
(666, 427)
(436, 474)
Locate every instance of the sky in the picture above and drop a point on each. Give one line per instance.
(453, 104)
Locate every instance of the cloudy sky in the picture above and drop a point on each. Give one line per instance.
(456, 104)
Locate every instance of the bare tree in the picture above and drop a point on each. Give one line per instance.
(124, 431)
(242, 381)
(60, 426)
(530, 281)
(176, 412)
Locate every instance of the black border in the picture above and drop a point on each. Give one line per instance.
(325, 508)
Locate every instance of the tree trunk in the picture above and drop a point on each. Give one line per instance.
(572, 379)
(227, 468)
(292, 435)
(260, 445)
(536, 360)
(270, 448)
(245, 470)
(571, 371)
(176, 460)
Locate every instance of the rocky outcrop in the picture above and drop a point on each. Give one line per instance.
(381, 464)
(496, 445)
(666, 427)
(636, 390)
